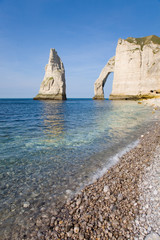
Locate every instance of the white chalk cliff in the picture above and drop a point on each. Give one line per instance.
(53, 86)
(136, 68)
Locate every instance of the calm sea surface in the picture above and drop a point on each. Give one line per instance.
(49, 150)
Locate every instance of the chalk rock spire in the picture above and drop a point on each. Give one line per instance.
(53, 86)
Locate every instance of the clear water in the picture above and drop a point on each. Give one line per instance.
(49, 150)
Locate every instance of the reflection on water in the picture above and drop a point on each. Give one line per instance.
(50, 149)
(53, 117)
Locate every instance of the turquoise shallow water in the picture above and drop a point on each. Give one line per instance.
(49, 150)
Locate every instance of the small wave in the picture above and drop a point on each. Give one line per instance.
(100, 172)
(112, 161)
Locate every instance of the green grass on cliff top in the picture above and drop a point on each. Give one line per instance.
(144, 40)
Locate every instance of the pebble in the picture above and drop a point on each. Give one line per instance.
(106, 189)
(120, 197)
(110, 234)
(78, 202)
(38, 222)
(81, 236)
(68, 191)
(155, 192)
(139, 146)
(69, 234)
(152, 236)
(76, 229)
(100, 218)
(26, 204)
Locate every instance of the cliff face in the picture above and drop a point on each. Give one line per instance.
(53, 86)
(136, 69)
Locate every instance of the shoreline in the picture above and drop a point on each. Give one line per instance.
(112, 207)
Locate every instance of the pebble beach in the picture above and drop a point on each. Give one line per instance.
(123, 204)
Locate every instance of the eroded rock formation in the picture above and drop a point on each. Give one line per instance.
(100, 82)
(53, 86)
(136, 70)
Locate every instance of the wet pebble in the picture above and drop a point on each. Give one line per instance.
(26, 204)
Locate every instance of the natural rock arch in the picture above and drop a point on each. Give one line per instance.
(136, 68)
(100, 82)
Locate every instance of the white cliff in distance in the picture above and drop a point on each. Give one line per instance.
(53, 86)
(136, 68)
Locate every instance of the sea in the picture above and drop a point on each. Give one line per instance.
(50, 150)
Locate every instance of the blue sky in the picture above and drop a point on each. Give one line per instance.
(84, 33)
